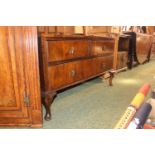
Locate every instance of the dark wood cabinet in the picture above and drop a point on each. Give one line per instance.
(19, 77)
(69, 60)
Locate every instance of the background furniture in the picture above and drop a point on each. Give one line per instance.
(143, 47)
(72, 30)
(123, 60)
(19, 77)
(71, 59)
(61, 30)
(132, 53)
(152, 56)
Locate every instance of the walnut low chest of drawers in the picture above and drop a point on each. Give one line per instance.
(69, 60)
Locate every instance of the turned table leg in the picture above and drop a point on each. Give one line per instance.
(111, 73)
(47, 100)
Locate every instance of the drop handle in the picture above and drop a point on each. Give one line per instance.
(103, 66)
(72, 73)
(103, 48)
(71, 51)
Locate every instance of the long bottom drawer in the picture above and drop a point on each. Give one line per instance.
(64, 74)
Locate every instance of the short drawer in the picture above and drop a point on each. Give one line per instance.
(65, 50)
(102, 47)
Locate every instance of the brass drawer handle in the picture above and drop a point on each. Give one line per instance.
(73, 73)
(71, 51)
(103, 66)
(103, 48)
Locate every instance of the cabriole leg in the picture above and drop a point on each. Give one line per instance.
(47, 101)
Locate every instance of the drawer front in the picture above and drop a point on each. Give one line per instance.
(96, 66)
(64, 74)
(105, 63)
(102, 47)
(65, 50)
(88, 68)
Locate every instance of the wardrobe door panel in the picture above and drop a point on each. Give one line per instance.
(18, 59)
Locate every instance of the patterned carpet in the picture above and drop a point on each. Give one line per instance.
(95, 105)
